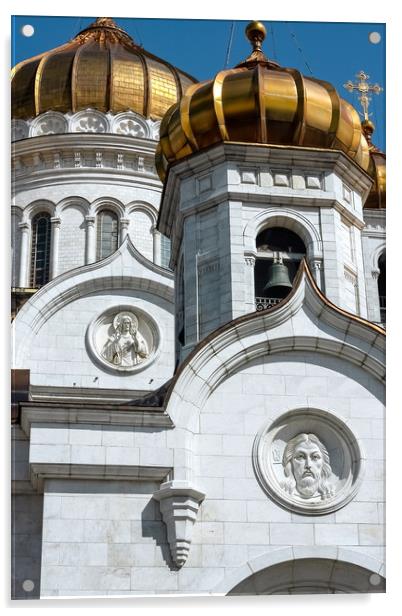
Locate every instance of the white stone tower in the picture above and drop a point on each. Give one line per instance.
(260, 163)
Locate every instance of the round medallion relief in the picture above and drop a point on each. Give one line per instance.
(124, 339)
(308, 461)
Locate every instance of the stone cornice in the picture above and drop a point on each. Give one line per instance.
(262, 198)
(52, 143)
(273, 156)
(274, 159)
(70, 158)
(40, 472)
(87, 413)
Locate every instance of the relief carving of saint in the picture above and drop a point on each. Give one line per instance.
(126, 347)
(307, 468)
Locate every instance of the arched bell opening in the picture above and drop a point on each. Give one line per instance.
(310, 576)
(382, 287)
(279, 253)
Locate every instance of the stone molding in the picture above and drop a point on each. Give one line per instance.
(322, 328)
(344, 468)
(295, 554)
(376, 254)
(291, 219)
(41, 471)
(176, 208)
(67, 158)
(135, 272)
(300, 159)
(103, 414)
(179, 504)
(148, 331)
(86, 121)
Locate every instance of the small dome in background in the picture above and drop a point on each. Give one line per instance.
(260, 102)
(377, 170)
(101, 68)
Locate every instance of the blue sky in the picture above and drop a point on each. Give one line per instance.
(331, 51)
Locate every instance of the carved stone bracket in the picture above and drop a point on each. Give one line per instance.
(249, 260)
(179, 504)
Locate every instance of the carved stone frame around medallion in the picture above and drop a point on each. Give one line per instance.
(326, 426)
(108, 315)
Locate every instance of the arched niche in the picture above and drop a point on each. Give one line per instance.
(311, 576)
(279, 253)
(72, 237)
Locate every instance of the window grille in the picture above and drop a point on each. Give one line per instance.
(107, 234)
(40, 250)
(165, 251)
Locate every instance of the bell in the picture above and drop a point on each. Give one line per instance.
(278, 284)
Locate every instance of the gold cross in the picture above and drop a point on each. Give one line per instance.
(364, 87)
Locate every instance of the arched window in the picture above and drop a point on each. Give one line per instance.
(107, 234)
(40, 250)
(165, 251)
(381, 287)
(279, 253)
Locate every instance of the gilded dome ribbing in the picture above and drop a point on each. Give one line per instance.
(377, 197)
(101, 68)
(260, 102)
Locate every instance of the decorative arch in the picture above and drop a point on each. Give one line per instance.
(109, 203)
(48, 123)
(294, 221)
(299, 569)
(41, 205)
(332, 330)
(130, 123)
(89, 121)
(145, 207)
(143, 217)
(376, 254)
(78, 202)
(17, 212)
(66, 287)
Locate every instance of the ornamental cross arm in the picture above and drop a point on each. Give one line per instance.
(364, 88)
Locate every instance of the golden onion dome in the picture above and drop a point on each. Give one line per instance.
(101, 68)
(260, 102)
(377, 170)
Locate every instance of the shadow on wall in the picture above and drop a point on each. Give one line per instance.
(155, 528)
(311, 576)
(26, 522)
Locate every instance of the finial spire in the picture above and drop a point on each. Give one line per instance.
(104, 28)
(256, 33)
(364, 87)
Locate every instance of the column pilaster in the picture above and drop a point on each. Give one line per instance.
(90, 253)
(124, 224)
(156, 245)
(23, 273)
(54, 246)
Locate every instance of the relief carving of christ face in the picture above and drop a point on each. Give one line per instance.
(307, 465)
(307, 468)
(126, 324)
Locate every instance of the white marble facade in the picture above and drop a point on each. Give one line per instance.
(100, 472)
(188, 494)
